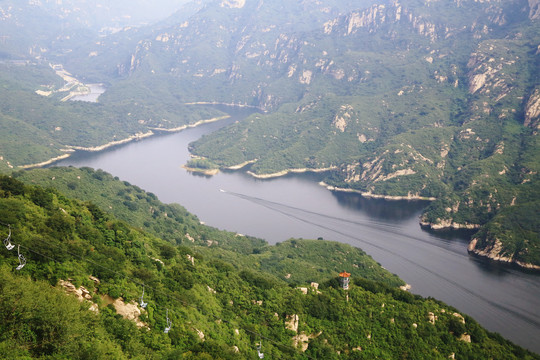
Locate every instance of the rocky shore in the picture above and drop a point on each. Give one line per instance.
(226, 104)
(45, 163)
(137, 136)
(240, 166)
(493, 252)
(449, 224)
(188, 126)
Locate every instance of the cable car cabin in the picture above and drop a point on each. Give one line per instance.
(22, 259)
(344, 278)
(8, 243)
(143, 304)
(169, 324)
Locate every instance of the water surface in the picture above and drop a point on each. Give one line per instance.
(502, 299)
(95, 91)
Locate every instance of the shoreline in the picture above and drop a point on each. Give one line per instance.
(488, 253)
(241, 165)
(44, 163)
(207, 172)
(137, 136)
(226, 104)
(287, 171)
(446, 225)
(189, 126)
(376, 196)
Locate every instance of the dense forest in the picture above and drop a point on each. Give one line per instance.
(220, 307)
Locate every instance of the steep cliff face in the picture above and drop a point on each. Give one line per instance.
(378, 15)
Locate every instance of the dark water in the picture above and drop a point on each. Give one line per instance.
(436, 264)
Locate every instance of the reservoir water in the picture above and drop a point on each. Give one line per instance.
(95, 91)
(436, 264)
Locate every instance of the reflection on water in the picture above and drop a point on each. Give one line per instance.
(451, 235)
(380, 208)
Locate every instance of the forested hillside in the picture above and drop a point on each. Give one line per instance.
(417, 99)
(409, 100)
(215, 309)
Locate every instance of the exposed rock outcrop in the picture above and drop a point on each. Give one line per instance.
(81, 293)
(377, 15)
(130, 311)
(292, 322)
(300, 339)
(432, 318)
(441, 224)
(532, 110)
(233, 4)
(490, 73)
(494, 250)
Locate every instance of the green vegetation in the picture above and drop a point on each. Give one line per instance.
(36, 128)
(516, 227)
(131, 204)
(218, 309)
(173, 223)
(407, 117)
(301, 261)
(202, 165)
(424, 100)
(416, 99)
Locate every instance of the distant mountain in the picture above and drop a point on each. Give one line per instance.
(34, 28)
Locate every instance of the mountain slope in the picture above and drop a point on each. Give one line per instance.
(432, 100)
(217, 310)
(172, 223)
(424, 99)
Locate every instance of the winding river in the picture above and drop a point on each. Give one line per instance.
(501, 298)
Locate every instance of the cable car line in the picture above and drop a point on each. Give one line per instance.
(22, 259)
